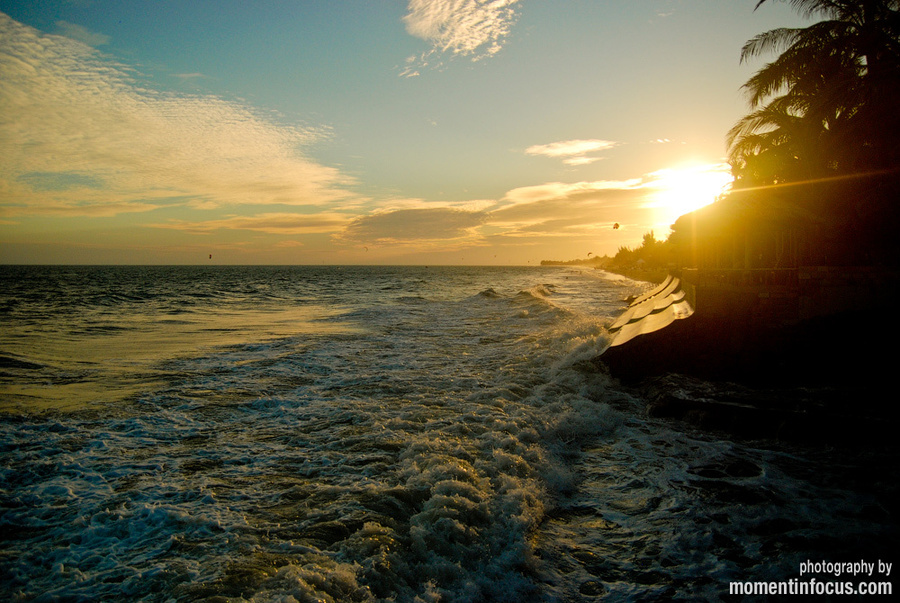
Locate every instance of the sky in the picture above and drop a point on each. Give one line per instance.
(362, 131)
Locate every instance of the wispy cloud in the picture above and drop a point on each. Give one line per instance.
(572, 152)
(526, 214)
(557, 207)
(78, 131)
(74, 210)
(271, 223)
(568, 190)
(81, 34)
(471, 28)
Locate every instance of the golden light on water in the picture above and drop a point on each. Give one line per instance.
(681, 190)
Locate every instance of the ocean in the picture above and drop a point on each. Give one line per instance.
(408, 434)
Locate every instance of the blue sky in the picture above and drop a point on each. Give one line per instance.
(406, 132)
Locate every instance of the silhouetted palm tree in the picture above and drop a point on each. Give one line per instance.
(828, 103)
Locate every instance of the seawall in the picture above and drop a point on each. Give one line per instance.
(808, 355)
(771, 326)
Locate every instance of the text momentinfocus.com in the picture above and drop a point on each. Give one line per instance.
(826, 578)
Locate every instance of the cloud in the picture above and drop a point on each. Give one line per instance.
(77, 130)
(59, 181)
(81, 34)
(572, 152)
(105, 210)
(271, 223)
(414, 225)
(568, 191)
(556, 208)
(589, 208)
(525, 214)
(472, 28)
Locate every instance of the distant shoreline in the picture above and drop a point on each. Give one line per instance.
(656, 275)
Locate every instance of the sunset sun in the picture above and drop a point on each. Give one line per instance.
(681, 190)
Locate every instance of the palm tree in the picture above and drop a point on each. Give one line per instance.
(769, 145)
(828, 103)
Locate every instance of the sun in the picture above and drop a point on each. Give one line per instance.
(678, 191)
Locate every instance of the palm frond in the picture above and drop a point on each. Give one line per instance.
(811, 8)
(769, 41)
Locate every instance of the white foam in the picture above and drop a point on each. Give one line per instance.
(454, 447)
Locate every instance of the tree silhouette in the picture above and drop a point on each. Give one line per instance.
(827, 104)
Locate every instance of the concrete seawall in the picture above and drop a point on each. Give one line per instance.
(770, 326)
(805, 356)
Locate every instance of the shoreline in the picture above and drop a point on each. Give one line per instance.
(639, 274)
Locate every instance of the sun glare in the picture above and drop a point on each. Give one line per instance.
(678, 191)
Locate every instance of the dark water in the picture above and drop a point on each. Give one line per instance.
(392, 434)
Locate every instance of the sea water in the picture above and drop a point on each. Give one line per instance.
(378, 434)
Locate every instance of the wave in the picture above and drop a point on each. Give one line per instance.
(489, 294)
(429, 444)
